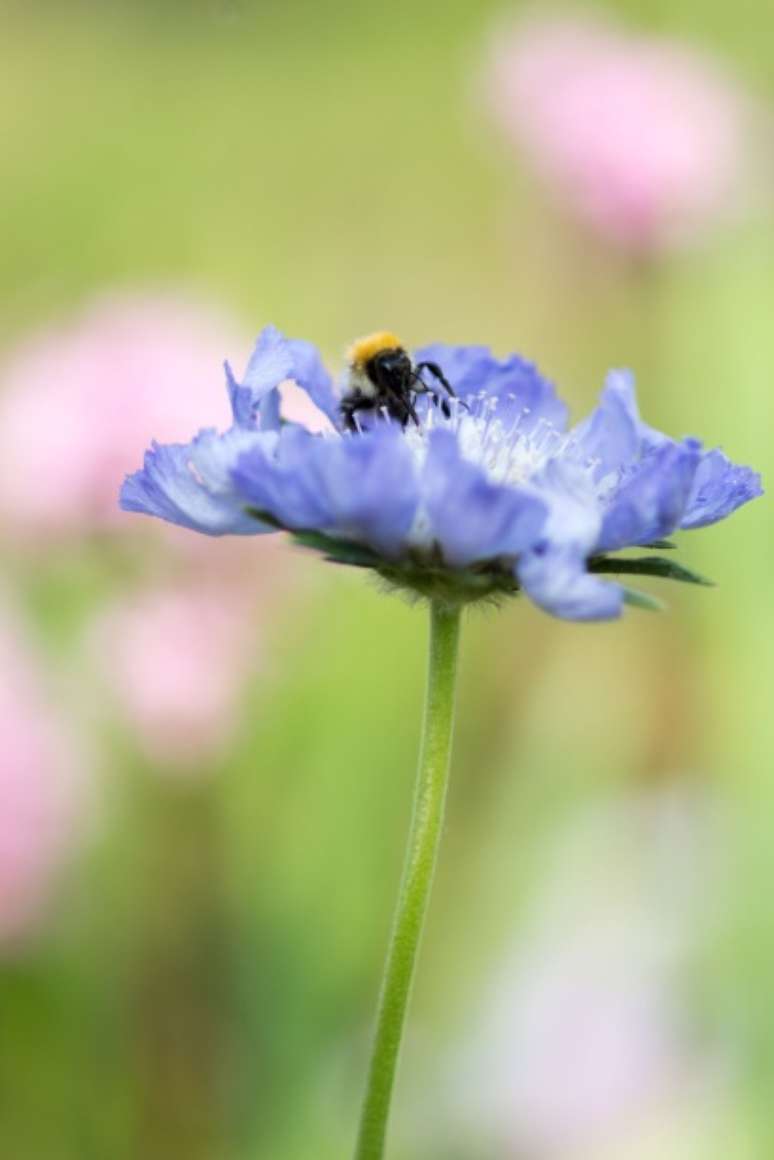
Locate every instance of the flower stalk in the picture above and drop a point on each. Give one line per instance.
(418, 873)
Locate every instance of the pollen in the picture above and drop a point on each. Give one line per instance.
(364, 349)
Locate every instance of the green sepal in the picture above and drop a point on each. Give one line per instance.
(660, 545)
(648, 566)
(642, 600)
(265, 518)
(337, 551)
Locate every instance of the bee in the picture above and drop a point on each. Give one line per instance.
(383, 379)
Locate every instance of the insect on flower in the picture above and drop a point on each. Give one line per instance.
(382, 378)
(473, 488)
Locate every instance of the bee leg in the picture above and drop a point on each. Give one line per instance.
(411, 411)
(438, 400)
(421, 388)
(438, 374)
(348, 409)
(418, 387)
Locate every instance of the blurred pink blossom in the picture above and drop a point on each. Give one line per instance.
(176, 660)
(641, 138)
(39, 788)
(79, 403)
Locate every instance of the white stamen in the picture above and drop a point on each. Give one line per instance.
(501, 446)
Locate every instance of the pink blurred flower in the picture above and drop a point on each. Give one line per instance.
(77, 402)
(176, 661)
(39, 798)
(641, 138)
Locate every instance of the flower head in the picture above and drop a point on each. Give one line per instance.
(641, 138)
(488, 490)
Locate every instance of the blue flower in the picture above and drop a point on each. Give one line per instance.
(499, 495)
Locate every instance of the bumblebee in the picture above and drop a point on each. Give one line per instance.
(383, 379)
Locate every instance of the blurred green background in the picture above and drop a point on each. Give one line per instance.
(203, 982)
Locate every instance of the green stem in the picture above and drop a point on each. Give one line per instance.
(417, 881)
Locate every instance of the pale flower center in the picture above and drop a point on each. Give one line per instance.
(509, 449)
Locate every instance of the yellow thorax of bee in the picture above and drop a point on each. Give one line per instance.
(362, 351)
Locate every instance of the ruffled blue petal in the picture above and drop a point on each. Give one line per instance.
(214, 456)
(362, 488)
(470, 518)
(256, 398)
(310, 374)
(517, 385)
(188, 484)
(554, 576)
(280, 482)
(553, 571)
(276, 359)
(611, 437)
(243, 407)
(574, 515)
(270, 363)
(651, 501)
(719, 488)
(614, 436)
